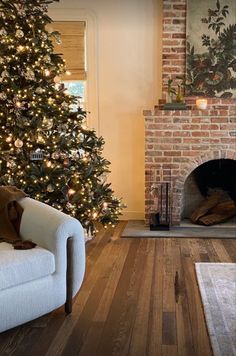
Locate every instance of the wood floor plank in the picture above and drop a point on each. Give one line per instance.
(120, 256)
(230, 246)
(139, 336)
(118, 327)
(169, 350)
(168, 278)
(168, 328)
(185, 338)
(222, 254)
(156, 304)
(199, 331)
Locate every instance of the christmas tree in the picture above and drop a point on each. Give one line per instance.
(46, 148)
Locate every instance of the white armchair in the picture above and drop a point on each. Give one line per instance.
(35, 282)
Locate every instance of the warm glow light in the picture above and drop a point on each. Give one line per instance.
(71, 191)
(8, 139)
(201, 104)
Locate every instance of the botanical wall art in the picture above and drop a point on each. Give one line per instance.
(211, 48)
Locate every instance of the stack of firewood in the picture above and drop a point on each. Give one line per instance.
(214, 210)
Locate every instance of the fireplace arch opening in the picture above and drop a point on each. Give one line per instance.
(215, 175)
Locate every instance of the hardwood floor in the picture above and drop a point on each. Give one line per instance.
(139, 298)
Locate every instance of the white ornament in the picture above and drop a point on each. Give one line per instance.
(19, 34)
(47, 58)
(81, 152)
(3, 96)
(5, 74)
(74, 154)
(44, 36)
(11, 164)
(50, 188)
(29, 74)
(3, 32)
(57, 79)
(18, 143)
(55, 155)
(39, 90)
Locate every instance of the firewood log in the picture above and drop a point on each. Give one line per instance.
(205, 206)
(214, 218)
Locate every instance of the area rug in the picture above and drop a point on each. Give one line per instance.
(137, 228)
(217, 284)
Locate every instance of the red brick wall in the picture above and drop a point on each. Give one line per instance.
(177, 142)
(174, 39)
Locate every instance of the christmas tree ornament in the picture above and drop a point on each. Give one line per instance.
(40, 139)
(45, 37)
(50, 188)
(57, 79)
(3, 32)
(56, 155)
(20, 48)
(47, 123)
(81, 152)
(66, 162)
(48, 164)
(81, 137)
(29, 74)
(62, 128)
(19, 34)
(74, 154)
(9, 139)
(11, 164)
(69, 206)
(5, 74)
(18, 143)
(3, 96)
(36, 155)
(39, 90)
(22, 122)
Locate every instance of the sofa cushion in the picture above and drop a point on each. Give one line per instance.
(21, 266)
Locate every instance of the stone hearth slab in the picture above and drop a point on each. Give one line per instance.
(137, 228)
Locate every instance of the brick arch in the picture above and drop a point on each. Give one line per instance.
(178, 185)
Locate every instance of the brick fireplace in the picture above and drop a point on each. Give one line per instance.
(178, 141)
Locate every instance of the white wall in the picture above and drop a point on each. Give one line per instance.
(124, 74)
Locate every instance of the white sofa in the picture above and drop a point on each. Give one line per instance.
(37, 281)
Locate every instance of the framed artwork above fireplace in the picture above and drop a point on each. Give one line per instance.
(211, 48)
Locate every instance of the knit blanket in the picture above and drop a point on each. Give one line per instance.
(10, 217)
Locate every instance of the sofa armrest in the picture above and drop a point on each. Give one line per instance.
(50, 228)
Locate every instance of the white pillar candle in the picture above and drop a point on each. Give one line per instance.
(201, 104)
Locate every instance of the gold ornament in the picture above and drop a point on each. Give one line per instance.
(18, 143)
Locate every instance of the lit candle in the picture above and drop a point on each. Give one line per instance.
(201, 104)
